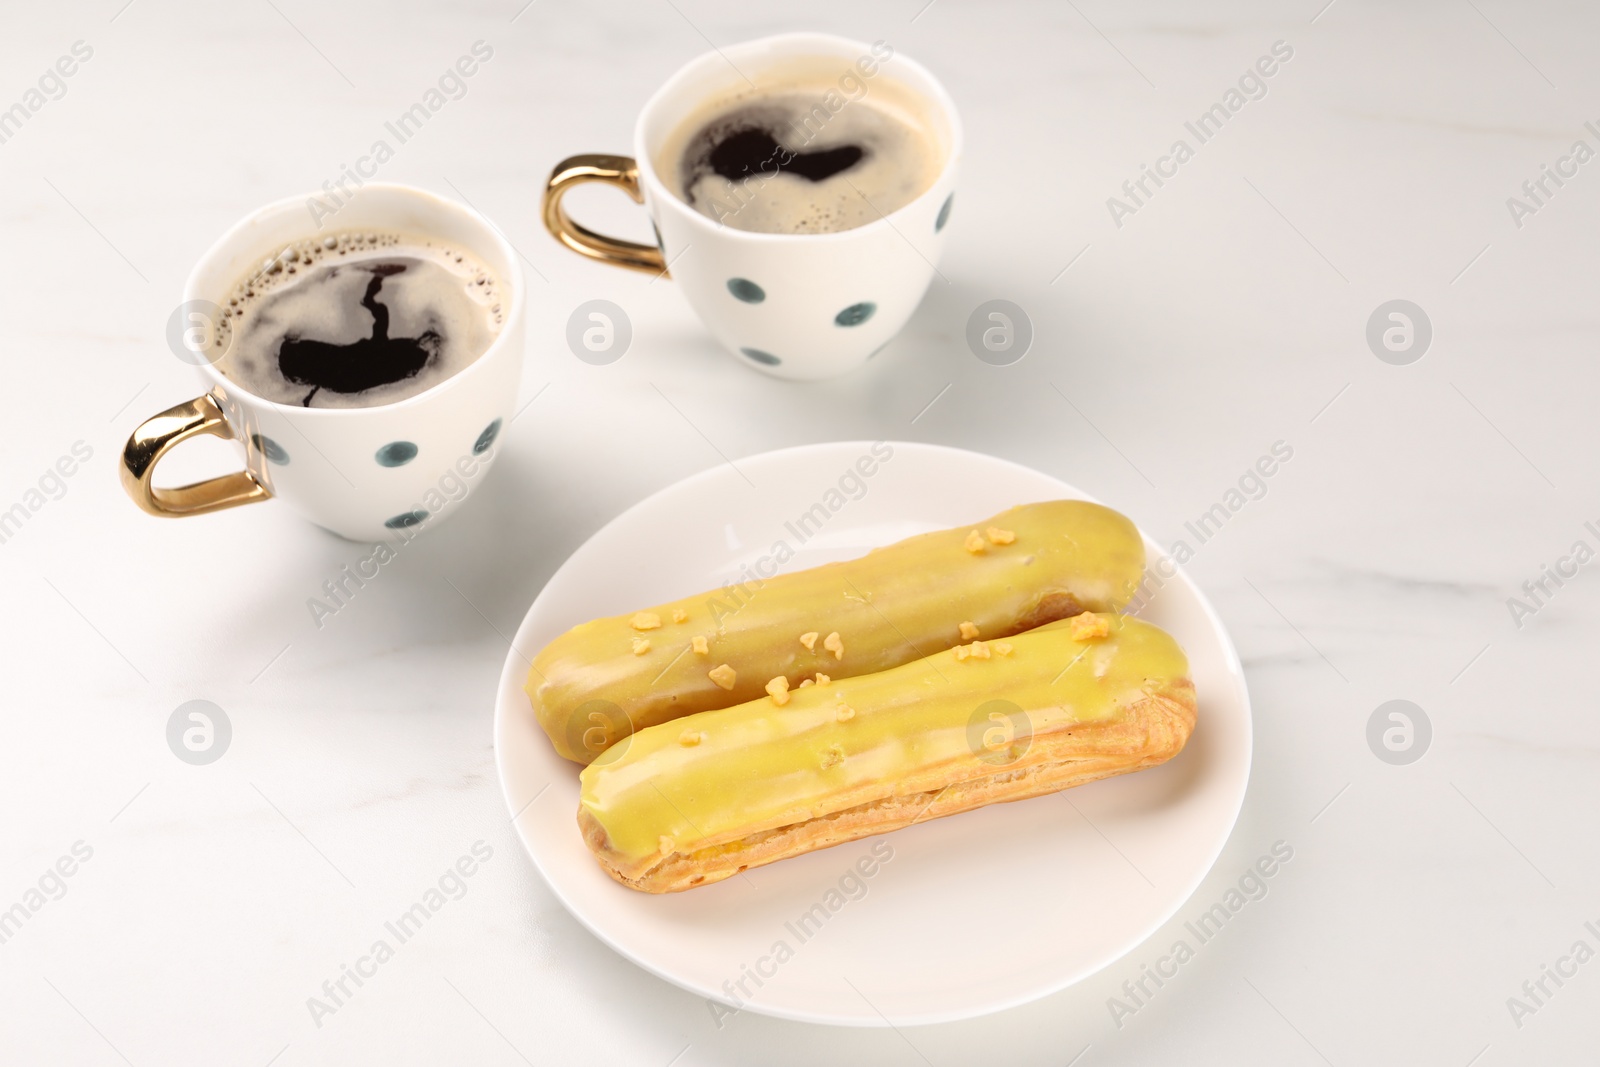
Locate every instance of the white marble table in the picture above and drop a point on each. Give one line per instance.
(1226, 313)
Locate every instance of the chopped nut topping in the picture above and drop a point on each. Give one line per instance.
(834, 645)
(1002, 647)
(823, 679)
(809, 640)
(968, 631)
(700, 645)
(690, 738)
(679, 615)
(724, 676)
(976, 544)
(832, 756)
(998, 536)
(646, 620)
(961, 652)
(641, 645)
(979, 650)
(805, 682)
(844, 713)
(1089, 626)
(778, 690)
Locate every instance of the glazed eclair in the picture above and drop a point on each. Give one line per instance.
(691, 802)
(1025, 567)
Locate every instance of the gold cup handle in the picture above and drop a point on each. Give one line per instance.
(621, 171)
(156, 436)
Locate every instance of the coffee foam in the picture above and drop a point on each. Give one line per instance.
(312, 291)
(806, 108)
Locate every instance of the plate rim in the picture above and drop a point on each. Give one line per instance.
(513, 671)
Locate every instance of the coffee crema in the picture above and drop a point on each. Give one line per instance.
(802, 157)
(357, 319)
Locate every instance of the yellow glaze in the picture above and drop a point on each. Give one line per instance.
(759, 766)
(889, 607)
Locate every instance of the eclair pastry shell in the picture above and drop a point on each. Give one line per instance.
(757, 784)
(1018, 570)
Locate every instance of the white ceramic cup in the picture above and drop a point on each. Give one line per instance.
(361, 472)
(828, 302)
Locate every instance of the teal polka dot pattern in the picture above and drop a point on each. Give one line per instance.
(746, 290)
(486, 438)
(405, 519)
(855, 314)
(944, 213)
(396, 454)
(761, 357)
(270, 448)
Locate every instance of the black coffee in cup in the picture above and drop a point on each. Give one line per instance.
(357, 319)
(806, 151)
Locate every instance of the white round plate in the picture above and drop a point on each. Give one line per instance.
(960, 916)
